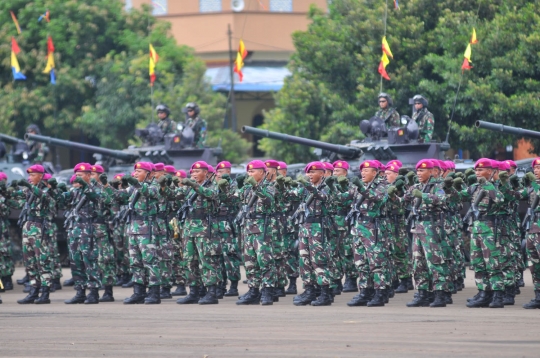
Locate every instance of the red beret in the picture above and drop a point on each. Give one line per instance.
(96, 168)
(282, 165)
(224, 165)
(199, 165)
(536, 161)
(211, 169)
(144, 165)
(181, 173)
(341, 164)
(395, 163)
(439, 163)
(158, 167)
(484, 163)
(72, 179)
(46, 176)
(375, 164)
(132, 173)
(511, 163)
(3, 176)
(256, 164)
(425, 164)
(328, 166)
(450, 164)
(271, 163)
(314, 166)
(36, 168)
(169, 169)
(119, 176)
(504, 166)
(82, 167)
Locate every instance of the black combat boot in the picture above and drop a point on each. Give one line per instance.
(338, 289)
(291, 290)
(44, 298)
(118, 281)
(192, 298)
(498, 300)
(233, 290)
(27, 287)
(350, 285)
(440, 300)
(475, 297)
(410, 284)
(130, 283)
(107, 295)
(483, 299)
(390, 293)
(317, 290)
(324, 299)
(69, 282)
(309, 295)
(534, 303)
(509, 296)
(221, 288)
(180, 291)
(279, 292)
(421, 299)
(211, 296)
(56, 285)
(79, 297)
(520, 282)
(31, 297)
(139, 293)
(448, 297)
(403, 286)
(202, 291)
(23, 280)
(379, 299)
(153, 296)
(267, 296)
(93, 297)
(125, 278)
(165, 293)
(8, 283)
(361, 299)
(252, 297)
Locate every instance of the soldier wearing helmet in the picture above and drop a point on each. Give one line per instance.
(197, 124)
(423, 118)
(387, 112)
(37, 151)
(166, 124)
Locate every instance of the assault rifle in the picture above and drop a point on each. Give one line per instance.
(127, 216)
(526, 224)
(188, 204)
(297, 217)
(417, 202)
(355, 209)
(23, 216)
(244, 210)
(473, 210)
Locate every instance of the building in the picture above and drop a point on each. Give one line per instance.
(265, 26)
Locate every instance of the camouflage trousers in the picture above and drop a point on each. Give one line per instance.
(258, 255)
(202, 257)
(144, 260)
(371, 257)
(448, 249)
(166, 256)
(335, 252)
(36, 255)
(178, 263)
(347, 256)
(7, 265)
(280, 257)
(399, 249)
(53, 249)
(486, 258)
(106, 259)
(230, 261)
(121, 245)
(84, 257)
(314, 255)
(292, 258)
(533, 258)
(430, 269)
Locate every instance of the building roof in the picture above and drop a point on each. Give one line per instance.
(256, 79)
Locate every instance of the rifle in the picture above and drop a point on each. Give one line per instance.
(355, 209)
(188, 204)
(68, 223)
(127, 215)
(304, 206)
(23, 216)
(417, 202)
(473, 210)
(526, 224)
(244, 210)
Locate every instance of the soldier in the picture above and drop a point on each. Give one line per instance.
(166, 124)
(38, 151)
(387, 112)
(7, 265)
(202, 243)
(423, 118)
(512, 165)
(119, 236)
(52, 231)
(37, 259)
(427, 201)
(178, 265)
(228, 208)
(197, 124)
(486, 200)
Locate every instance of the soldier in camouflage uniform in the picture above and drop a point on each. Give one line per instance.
(485, 241)
(202, 244)
(166, 124)
(37, 258)
(427, 200)
(423, 118)
(52, 231)
(387, 112)
(118, 229)
(7, 266)
(258, 204)
(37, 151)
(197, 124)
(178, 264)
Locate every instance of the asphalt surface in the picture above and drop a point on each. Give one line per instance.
(281, 330)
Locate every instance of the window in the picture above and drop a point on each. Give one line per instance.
(129, 5)
(210, 5)
(281, 5)
(159, 7)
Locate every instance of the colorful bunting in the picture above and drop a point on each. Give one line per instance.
(15, 22)
(239, 63)
(16, 69)
(384, 59)
(49, 68)
(154, 58)
(45, 16)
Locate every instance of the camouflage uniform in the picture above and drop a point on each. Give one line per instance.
(7, 265)
(426, 123)
(533, 235)
(509, 234)
(228, 208)
(398, 241)
(121, 244)
(390, 116)
(453, 238)
(52, 232)
(104, 240)
(165, 247)
(280, 235)
(167, 126)
(198, 125)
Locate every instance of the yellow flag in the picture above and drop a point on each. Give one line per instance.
(384, 59)
(50, 63)
(473, 37)
(467, 53)
(386, 47)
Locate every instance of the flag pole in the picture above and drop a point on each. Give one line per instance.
(152, 101)
(385, 19)
(231, 74)
(454, 107)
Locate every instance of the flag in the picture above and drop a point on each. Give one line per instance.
(45, 16)
(16, 22)
(382, 66)
(474, 40)
(49, 68)
(239, 63)
(17, 75)
(386, 47)
(396, 4)
(154, 58)
(466, 65)
(467, 53)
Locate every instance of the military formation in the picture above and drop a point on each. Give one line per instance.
(385, 232)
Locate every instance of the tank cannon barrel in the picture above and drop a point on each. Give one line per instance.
(496, 127)
(349, 152)
(9, 139)
(117, 154)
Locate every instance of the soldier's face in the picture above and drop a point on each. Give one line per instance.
(418, 106)
(512, 171)
(35, 178)
(328, 173)
(315, 176)
(140, 174)
(161, 115)
(383, 103)
(257, 174)
(84, 176)
(391, 176)
(496, 175)
(282, 172)
(222, 171)
(94, 175)
(272, 174)
(536, 171)
(159, 174)
(423, 174)
(199, 175)
(368, 174)
(447, 172)
(483, 172)
(340, 172)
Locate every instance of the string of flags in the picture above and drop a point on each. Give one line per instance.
(154, 58)
(384, 58)
(239, 63)
(468, 52)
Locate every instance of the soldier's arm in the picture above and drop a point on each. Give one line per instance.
(149, 190)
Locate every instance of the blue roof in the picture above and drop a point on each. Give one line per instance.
(256, 79)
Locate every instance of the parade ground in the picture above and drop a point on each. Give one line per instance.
(281, 330)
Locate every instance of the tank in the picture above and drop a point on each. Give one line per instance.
(496, 127)
(381, 144)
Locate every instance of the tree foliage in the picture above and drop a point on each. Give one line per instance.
(335, 79)
(102, 73)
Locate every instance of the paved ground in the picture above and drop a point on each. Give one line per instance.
(282, 330)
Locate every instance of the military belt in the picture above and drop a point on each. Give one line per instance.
(143, 217)
(487, 218)
(35, 219)
(256, 216)
(366, 219)
(197, 216)
(427, 217)
(342, 212)
(99, 221)
(313, 219)
(86, 220)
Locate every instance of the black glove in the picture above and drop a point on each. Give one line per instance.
(128, 179)
(503, 177)
(410, 177)
(81, 182)
(63, 187)
(23, 182)
(240, 180)
(471, 179)
(458, 184)
(399, 184)
(162, 181)
(176, 180)
(53, 183)
(448, 182)
(189, 182)
(482, 180)
(226, 176)
(469, 172)
(169, 179)
(330, 181)
(514, 180)
(3, 186)
(403, 171)
(223, 184)
(451, 175)
(460, 175)
(357, 182)
(14, 184)
(103, 178)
